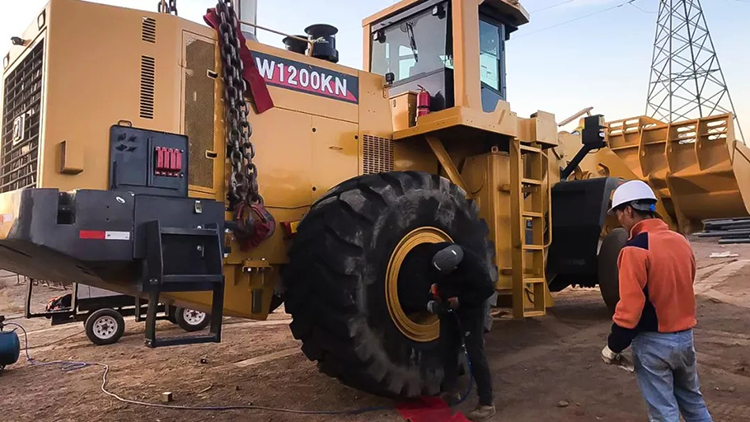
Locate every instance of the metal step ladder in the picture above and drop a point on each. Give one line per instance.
(531, 233)
(169, 251)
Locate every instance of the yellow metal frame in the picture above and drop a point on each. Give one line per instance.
(445, 160)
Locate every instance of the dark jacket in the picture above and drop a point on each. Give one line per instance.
(470, 282)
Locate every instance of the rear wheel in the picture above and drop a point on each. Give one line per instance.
(609, 282)
(357, 287)
(104, 326)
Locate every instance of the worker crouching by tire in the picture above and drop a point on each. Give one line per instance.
(461, 290)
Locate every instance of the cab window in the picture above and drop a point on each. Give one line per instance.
(414, 46)
(491, 62)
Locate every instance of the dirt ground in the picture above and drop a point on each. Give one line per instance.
(544, 369)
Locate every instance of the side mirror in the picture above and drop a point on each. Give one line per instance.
(439, 11)
(593, 131)
(592, 137)
(379, 36)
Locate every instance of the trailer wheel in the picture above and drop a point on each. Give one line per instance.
(190, 320)
(358, 296)
(609, 282)
(104, 326)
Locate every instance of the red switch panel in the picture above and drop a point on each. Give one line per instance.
(168, 162)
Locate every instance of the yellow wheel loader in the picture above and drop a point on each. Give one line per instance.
(131, 161)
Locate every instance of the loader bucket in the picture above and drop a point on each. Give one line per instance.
(697, 167)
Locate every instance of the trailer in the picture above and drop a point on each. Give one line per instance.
(103, 312)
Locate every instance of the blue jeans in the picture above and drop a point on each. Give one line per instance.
(665, 368)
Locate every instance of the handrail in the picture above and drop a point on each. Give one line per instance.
(308, 41)
(549, 201)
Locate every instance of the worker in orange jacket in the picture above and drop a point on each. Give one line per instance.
(656, 311)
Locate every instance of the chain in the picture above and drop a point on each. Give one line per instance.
(170, 8)
(243, 183)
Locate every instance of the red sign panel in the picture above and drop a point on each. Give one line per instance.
(298, 76)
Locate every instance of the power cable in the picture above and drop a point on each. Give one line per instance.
(551, 6)
(468, 360)
(575, 19)
(641, 9)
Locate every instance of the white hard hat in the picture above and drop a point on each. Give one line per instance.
(634, 190)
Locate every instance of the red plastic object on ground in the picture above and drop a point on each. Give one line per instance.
(429, 409)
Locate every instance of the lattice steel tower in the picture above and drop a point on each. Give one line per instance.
(686, 79)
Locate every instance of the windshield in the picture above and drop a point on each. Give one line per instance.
(411, 47)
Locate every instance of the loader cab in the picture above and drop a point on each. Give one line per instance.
(439, 44)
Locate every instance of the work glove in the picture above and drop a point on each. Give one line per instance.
(621, 361)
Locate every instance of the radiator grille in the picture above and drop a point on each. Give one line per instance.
(148, 69)
(199, 110)
(22, 101)
(377, 155)
(148, 30)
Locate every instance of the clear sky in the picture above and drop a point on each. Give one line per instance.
(601, 60)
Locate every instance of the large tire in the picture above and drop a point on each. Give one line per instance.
(609, 276)
(276, 301)
(104, 326)
(336, 279)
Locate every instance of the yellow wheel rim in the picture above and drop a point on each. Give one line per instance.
(422, 327)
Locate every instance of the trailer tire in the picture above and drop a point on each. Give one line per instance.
(191, 320)
(104, 326)
(341, 269)
(172, 315)
(608, 274)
